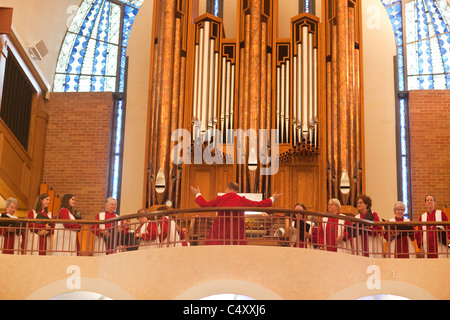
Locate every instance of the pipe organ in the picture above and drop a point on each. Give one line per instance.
(297, 100)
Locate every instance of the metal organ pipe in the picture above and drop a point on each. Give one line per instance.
(205, 76)
(287, 101)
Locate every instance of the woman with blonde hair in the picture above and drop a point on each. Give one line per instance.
(333, 230)
(400, 237)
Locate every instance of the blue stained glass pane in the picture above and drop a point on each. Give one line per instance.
(436, 17)
(128, 19)
(307, 6)
(216, 7)
(403, 141)
(405, 184)
(401, 74)
(115, 180)
(388, 3)
(119, 127)
(422, 26)
(444, 43)
(395, 15)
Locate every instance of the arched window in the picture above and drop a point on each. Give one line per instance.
(421, 29)
(93, 59)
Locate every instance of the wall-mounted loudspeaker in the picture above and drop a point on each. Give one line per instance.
(38, 51)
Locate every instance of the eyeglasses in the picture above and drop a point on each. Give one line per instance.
(360, 202)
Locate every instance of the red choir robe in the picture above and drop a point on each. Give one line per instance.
(401, 241)
(428, 237)
(10, 239)
(330, 229)
(104, 243)
(42, 242)
(66, 235)
(370, 242)
(149, 235)
(174, 237)
(229, 227)
(150, 231)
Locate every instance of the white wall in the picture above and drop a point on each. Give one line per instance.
(379, 108)
(138, 50)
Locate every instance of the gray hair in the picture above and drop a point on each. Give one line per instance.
(399, 204)
(335, 202)
(109, 199)
(11, 200)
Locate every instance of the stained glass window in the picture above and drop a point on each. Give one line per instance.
(421, 29)
(93, 59)
(93, 53)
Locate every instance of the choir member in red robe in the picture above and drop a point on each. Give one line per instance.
(369, 241)
(427, 239)
(303, 231)
(39, 237)
(147, 232)
(105, 240)
(65, 242)
(229, 227)
(9, 233)
(401, 241)
(170, 233)
(332, 232)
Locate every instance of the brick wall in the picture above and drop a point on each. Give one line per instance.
(430, 147)
(76, 153)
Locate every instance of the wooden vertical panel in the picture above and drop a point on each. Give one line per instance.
(343, 87)
(43, 188)
(56, 205)
(51, 193)
(334, 113)
(351, 103)
(281, 184)
(177, 71)
(306, 186)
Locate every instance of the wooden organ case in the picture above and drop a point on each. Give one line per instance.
(273, 114)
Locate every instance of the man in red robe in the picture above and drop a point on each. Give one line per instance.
(427, 240)
(229, 226)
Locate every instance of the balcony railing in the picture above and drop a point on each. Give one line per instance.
(238, 226)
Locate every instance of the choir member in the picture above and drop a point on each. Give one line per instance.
(147, 232)
(65, 242)
(10, 237)
(332, 232)
(104, 242)
(428, 239)
(39, 236)
(369, 239)
(229, 227)
(400, 238)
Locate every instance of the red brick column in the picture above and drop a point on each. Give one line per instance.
(430, 147)
(77, 148)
